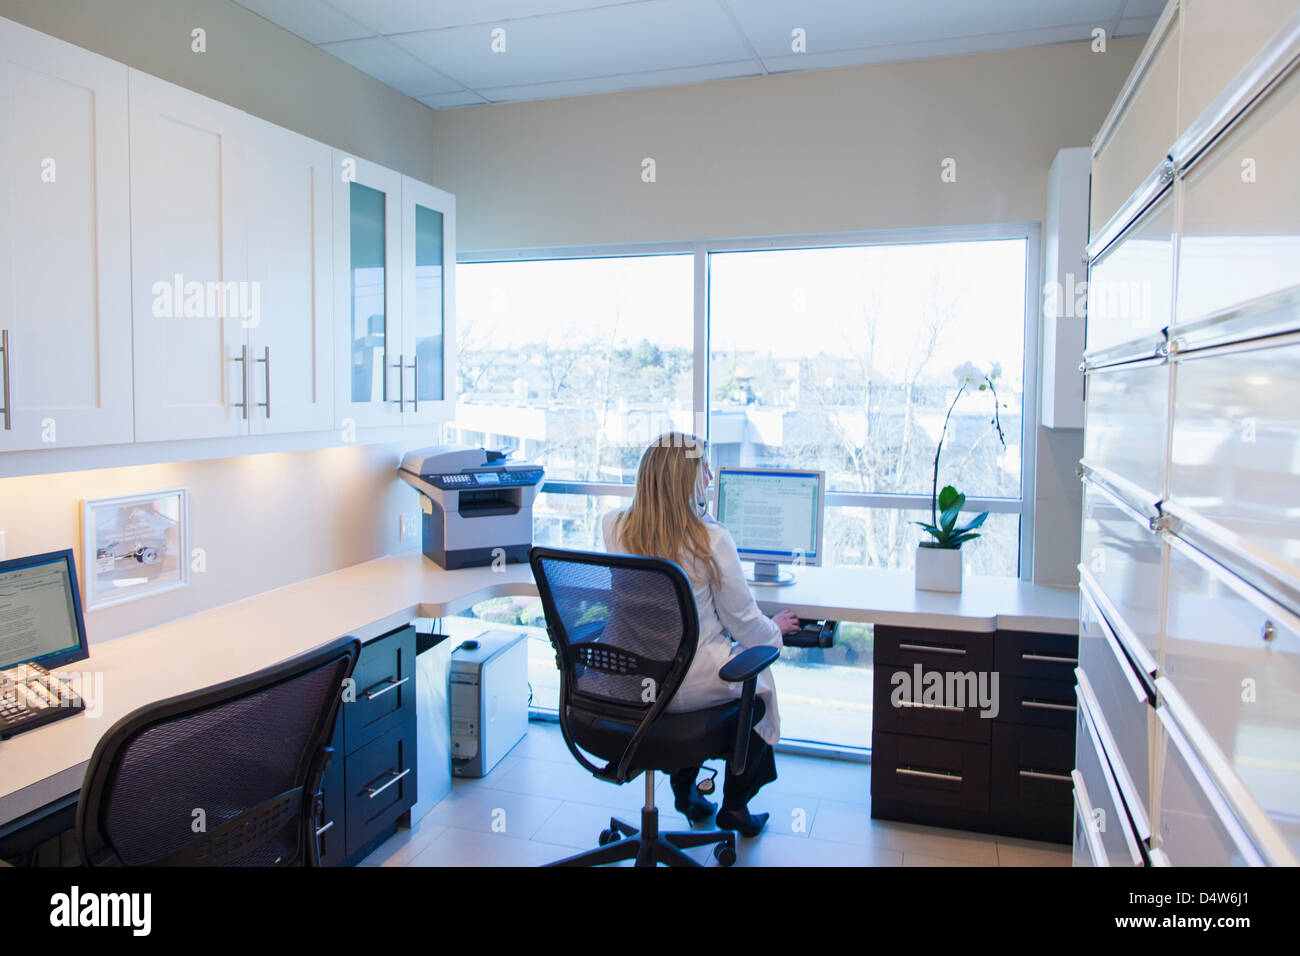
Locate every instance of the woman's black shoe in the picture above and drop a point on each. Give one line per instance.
(696, 808)
(745, 823)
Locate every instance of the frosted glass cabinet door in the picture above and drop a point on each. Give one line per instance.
(1240, 233)
(1219, 39)
(290, 263)
(192, 302)
(65, 267)
(1234, 656)
(367, 292)
(427, 388)
(1130, 285)
(1137, 139)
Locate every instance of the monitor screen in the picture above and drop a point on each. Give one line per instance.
(40, 611)
(773, 515)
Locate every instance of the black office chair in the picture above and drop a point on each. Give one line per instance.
(624, 629)
(240, 762)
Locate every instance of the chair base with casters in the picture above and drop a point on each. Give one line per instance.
(648, 846)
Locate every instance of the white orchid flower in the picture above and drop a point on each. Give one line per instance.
(968, 373)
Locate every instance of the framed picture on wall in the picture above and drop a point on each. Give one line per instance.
(135, 546)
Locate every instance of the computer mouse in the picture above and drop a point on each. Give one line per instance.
(470, 645)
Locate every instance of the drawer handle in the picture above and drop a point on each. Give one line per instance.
(1044, 705)
(1049, 659)
(928, 774)
(1041, 775)
(392, 682)
(320, 830)
(931, 649)
(917, 703)
(372, 792)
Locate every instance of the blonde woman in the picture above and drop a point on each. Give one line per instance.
(667, 519)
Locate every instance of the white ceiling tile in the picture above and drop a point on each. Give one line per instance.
(388, 64)
(1135, 26)
(629, 38)
(832, 25)
(917, 51)
(628, 81)
(412, 16)
(313, 20)
(441, 101)
(1137, 9)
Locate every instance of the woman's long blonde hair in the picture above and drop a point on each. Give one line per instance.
(666, 519)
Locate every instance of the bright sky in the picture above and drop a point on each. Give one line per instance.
(789, 303)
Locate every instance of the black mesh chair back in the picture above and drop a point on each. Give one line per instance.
(624, 629)
(225, 776)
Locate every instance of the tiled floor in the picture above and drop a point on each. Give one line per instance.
(539, 805)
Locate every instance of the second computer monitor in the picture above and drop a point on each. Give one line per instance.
(775, 517)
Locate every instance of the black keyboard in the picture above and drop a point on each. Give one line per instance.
(812, 634)
(31, 697)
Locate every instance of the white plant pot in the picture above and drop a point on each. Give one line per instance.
(938, 569)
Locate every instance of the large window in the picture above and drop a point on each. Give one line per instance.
(843, 359)
(833, 355)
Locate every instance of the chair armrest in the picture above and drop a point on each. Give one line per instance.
(748, 664)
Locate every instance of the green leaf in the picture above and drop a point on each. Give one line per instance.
(979, 520)
(956, 540)
(948, 496)
(949, 518)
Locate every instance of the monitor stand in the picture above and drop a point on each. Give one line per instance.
(769, 574)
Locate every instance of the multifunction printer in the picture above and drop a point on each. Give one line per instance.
(477, 507)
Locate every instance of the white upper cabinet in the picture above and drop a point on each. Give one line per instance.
(367, 293)
(65, 267)
(427, 386)
(290, 268)
(193, 303)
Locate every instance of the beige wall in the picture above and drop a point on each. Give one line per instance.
(837, 150)
(264, 521)
(825, 151)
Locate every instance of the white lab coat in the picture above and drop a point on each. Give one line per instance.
(730, 621)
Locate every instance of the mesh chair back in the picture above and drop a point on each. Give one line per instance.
(223, 776)
(624, 629)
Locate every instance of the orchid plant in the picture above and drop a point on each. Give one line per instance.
(946, 505)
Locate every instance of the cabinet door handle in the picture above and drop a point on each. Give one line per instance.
(265, 361)
(415, 385)
(917, 703)
(320, 830)
(932, 649)
(1049, 659)
(400, 401)
(372, 792)
(928, 774)
(1045, 705)
(4, 347)
(1041, 775)
(392, 683)
(242, 359)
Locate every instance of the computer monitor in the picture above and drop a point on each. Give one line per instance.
(40, 612)
(775, 517)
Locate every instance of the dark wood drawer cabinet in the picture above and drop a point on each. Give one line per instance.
(1031, 790)
(370, 786)
(929, 771)
(902, 708)
(951, 760)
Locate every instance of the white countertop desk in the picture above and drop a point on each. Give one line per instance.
(371, 599)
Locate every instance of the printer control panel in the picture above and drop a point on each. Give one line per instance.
(486, 479)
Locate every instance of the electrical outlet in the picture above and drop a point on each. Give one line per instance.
(410, 525)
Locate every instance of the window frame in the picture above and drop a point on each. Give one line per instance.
(701, 249)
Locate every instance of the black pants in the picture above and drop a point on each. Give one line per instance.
(737, 790)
